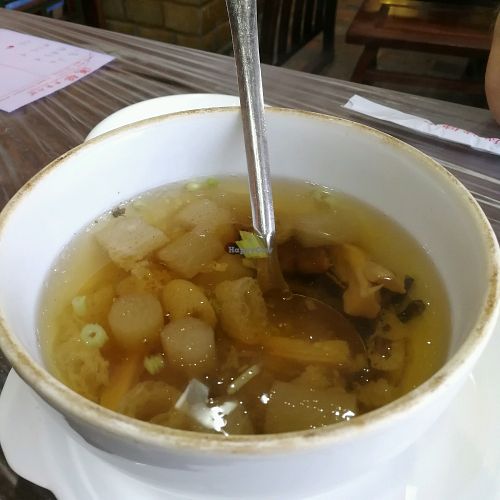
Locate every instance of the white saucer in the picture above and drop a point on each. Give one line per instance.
(161, 106)
(457, 459)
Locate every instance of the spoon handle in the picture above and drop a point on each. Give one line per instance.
(243, 21)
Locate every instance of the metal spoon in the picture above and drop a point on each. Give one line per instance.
(283, 303)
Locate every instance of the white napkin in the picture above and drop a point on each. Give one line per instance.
(443, 131)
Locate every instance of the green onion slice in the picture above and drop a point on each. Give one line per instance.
(94, 335)
(212, 182)
(252, 246)
(193, 186)
(154, 363)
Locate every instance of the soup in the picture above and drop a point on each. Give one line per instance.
(158, 310)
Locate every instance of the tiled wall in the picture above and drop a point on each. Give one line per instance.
(201, 24)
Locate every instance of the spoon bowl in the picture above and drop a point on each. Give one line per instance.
(313, 320)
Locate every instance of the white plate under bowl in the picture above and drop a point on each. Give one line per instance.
(161, 106)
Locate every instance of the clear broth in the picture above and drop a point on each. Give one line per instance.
(251, 389)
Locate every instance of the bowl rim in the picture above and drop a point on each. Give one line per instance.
(119, 426)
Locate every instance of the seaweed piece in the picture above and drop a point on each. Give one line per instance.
(296, 259)
(393, 298)
(118, 211)
(364, 326)
(413, 309)
(408, 283)
(319, 287)
(388, 298)
(360, 377)
(382, 346)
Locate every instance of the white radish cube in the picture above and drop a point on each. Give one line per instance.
(191, 253)
(203, 213)
(189, 345)
(135, 319)
(129, 239)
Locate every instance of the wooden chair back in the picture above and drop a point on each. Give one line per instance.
(286, 26)
(44, 7)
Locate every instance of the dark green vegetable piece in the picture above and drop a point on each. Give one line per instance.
(365, 327)
(413, 309)
(118, 211)
(408, 282)
(394, 298)
(361, 377)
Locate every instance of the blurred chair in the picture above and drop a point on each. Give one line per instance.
(457, 27)
(88, 12)
(80, 11)
(44, 7)
(286, 26)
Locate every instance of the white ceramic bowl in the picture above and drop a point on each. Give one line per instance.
(391, 176)
(158, 106)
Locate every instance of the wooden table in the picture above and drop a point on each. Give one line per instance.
(36, 134)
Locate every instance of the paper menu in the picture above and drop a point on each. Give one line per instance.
(33, 67)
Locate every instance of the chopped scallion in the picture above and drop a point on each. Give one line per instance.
(154, 363)
(212, 182)
(94, 335)
(242, 379)
(193, 186)
(79, 304)
(252, 246)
